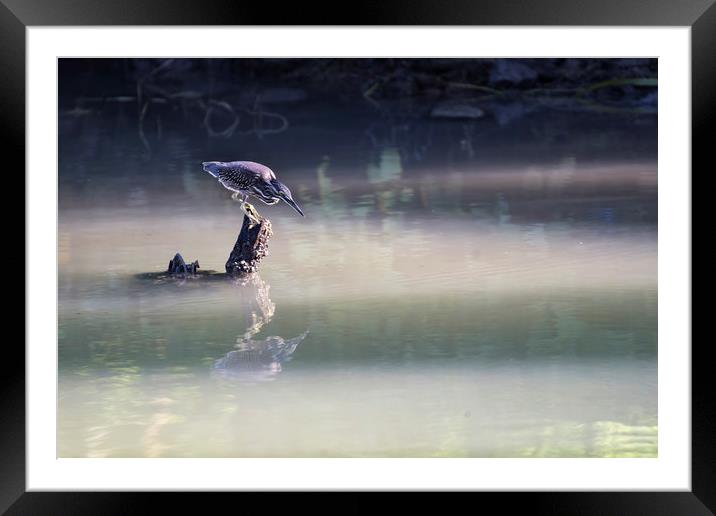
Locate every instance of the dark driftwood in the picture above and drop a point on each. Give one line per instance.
(177, 265)
(250, 248)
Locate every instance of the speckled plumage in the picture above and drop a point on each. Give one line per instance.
(251, 179)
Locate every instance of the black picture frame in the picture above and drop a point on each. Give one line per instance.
(700, 15)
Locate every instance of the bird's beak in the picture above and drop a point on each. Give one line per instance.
(293, 204)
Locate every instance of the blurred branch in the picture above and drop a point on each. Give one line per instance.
(226, 133)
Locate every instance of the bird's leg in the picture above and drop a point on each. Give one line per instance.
(247, 208)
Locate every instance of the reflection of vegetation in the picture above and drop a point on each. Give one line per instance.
(596, 439)
(373, 162)
(394, 185)
(387, 169)
(614, 439)
(330, 198)
(567, 439)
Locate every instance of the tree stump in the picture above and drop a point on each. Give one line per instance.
(250, 248)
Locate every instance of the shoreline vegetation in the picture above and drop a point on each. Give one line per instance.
(226, 98)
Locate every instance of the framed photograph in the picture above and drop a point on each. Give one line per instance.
(446, 249)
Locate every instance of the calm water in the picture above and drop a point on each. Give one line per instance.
(449, 293)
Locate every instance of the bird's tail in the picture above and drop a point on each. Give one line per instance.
(210, 167)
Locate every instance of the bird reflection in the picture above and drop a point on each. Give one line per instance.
(257, 359)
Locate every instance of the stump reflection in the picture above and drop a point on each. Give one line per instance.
(257, 359)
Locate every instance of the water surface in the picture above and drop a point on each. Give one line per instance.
(472, 296)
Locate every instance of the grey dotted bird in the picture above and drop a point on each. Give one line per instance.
(247, 178)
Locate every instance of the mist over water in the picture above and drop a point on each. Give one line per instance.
(457, 289)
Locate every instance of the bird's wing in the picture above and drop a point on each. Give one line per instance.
(235, 177)
(257, 169)
(225, 180)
